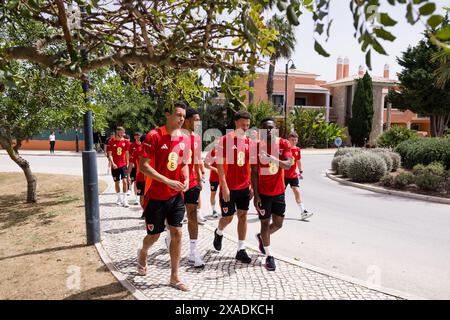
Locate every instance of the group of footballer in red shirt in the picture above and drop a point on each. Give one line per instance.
(169, 173)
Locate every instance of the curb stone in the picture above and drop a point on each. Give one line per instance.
(386, 191)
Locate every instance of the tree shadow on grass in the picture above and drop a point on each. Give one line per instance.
(15, 211)
(101, 292)
(75, 246)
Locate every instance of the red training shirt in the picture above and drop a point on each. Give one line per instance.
(195, 158)
(211, 160)
(271, 177)
(234, 153)
(292, 172)
(119, 150)
(167, 156)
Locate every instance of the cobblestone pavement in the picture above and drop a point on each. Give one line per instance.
(223, 277)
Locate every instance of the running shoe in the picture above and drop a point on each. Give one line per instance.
(125, 203)
(306, 215)
(196, 260)
(217, 241)
(270, 263)
(243, 257)
(260, 243)
(215, 214)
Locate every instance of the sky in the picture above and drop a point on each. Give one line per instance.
(342, 43)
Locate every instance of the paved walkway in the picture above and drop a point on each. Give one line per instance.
(223, 278)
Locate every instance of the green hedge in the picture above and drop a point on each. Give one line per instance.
(395, 136)
(367, 167)
(424, 151)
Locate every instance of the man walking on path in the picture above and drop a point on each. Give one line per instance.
(52, 139)
(164, 158)
(233, 165)
(134, 163)
(119, 157)
(210, 163)
(112, 136)
(192, 195)
(292, 178)
(273, 154)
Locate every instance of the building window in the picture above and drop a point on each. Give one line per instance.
(301, 101)
(415, 127)
(278, 101)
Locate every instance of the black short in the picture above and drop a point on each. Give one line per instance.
(140, 187)
(293, 182)
(157, 211)
(271, 205)
(119, 173)
(192, 195)
(133, 174)
(239, 200)
(214, 185)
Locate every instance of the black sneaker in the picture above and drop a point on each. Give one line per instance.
(260, 242)
(217, 241)
(243, 257)
(270, 263)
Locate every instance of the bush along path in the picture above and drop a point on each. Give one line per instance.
(382, 167)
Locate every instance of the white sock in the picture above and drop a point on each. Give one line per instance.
(302, 207)
(219, 232)
(241, 245)
(213, 206)
(124, 196)
(193, 246)
(268, 252)
(119, 196)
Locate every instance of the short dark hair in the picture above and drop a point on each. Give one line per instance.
(177, 104)
(267, 120)
(242, 115)
(293, 135)
(143, 137)
(190, 112)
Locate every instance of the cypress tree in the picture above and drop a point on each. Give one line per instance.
(359, 123)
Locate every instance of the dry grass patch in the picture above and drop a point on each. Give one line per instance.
(43, 254)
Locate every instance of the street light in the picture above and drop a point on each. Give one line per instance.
(90, 179)
(285, 95)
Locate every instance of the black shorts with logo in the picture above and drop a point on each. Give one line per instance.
(272, 205)
(214, 185)
(192, 195)
(140, 187)
(133, 174)
(239, 200)
(157, 211)
(293, 182)
(119, 173)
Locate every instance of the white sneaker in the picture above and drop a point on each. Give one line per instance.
(119, 202)
(200, 218)
(196, 260)
(306, 215)
(136, 202)
(125, 203)
(129, 193)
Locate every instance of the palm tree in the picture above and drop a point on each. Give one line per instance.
(284, 46)
(442, 73)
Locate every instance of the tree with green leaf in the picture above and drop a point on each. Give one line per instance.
(360, 124)
(283, 47)
(418, 91)
(36, 101)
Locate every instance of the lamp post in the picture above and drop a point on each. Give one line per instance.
(285, 94)
(90, 179)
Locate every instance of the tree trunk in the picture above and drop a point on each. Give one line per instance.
(438, 125)
(250, 93)
(270, 79)
(25, 166)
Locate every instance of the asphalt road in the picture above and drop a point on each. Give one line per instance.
(398, 243)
